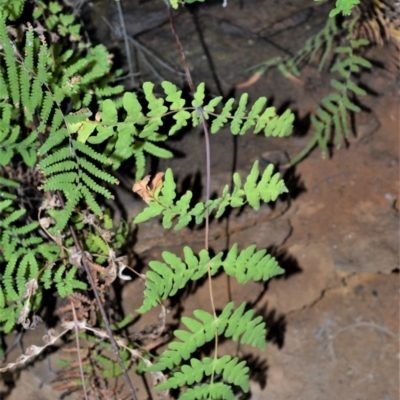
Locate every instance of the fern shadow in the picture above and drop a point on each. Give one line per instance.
(294, 183)
(301, 126)
(276, 326)
(258, 369)
(287, 262)
(194, 184)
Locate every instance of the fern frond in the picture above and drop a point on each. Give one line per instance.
(92, 169)
(85, 149)
(90, 200)
(10, 60)
(213, 391)
(233, 372)
(239, 325)
(222, 118)
(66, 283)
(23, 255)
(331, 116)
(255, 190)
(140, 161)
(164, 279)
(173, 96)
(90, 183)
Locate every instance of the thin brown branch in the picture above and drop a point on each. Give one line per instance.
(79, 352)
(101, 308)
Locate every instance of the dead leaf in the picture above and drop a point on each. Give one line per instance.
(294, 79)
(143, 189)
(251, 81)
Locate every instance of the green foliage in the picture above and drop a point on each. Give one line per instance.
(164, 279)
(67, 128)
(233, 372)
(255, 190)
(336, 39)
(344, 6)
(236, 324)
(331, 116)
(11, 9)
(23, 252)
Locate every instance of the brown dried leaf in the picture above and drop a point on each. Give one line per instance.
(30, 288)
(251, 81)
(143, 189)
(46, 222)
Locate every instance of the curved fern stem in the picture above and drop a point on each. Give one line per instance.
(306, 150)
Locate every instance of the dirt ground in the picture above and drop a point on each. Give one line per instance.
(333, 318)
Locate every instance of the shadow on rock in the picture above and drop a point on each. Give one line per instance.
(287, 262)
(258, 369)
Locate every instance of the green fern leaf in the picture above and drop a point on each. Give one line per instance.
(157, 151)
(152, 210)
(109, 114)
(233, 372)
(55, 157)
(14, 216)
(250, 187)
(11, 63)
(198, 97)
(91, 168)
(181, 117)
(140, 162)
(103, 133)
(239, 324)
(253, 331)
(168, 193)
(253, 115)
(90, 183)
(133, 108)
(212, 391)
(54, 139)
(239, 114)
(156, 106)
(173, 96)
(210, 107)
(90, 152)
(222, 119)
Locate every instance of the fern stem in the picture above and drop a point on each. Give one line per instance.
(303, 153)
(207, 144)
(79, 350)
(180, 48)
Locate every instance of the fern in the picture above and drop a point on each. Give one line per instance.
(64, 280)
(233, 372)
(164, 279)
(69, 172)
(331, 116)
(268, 188)
(238, 324)
(77, 183)
(23, 252)
(344, 6)
(63, 121)
(212, 391)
